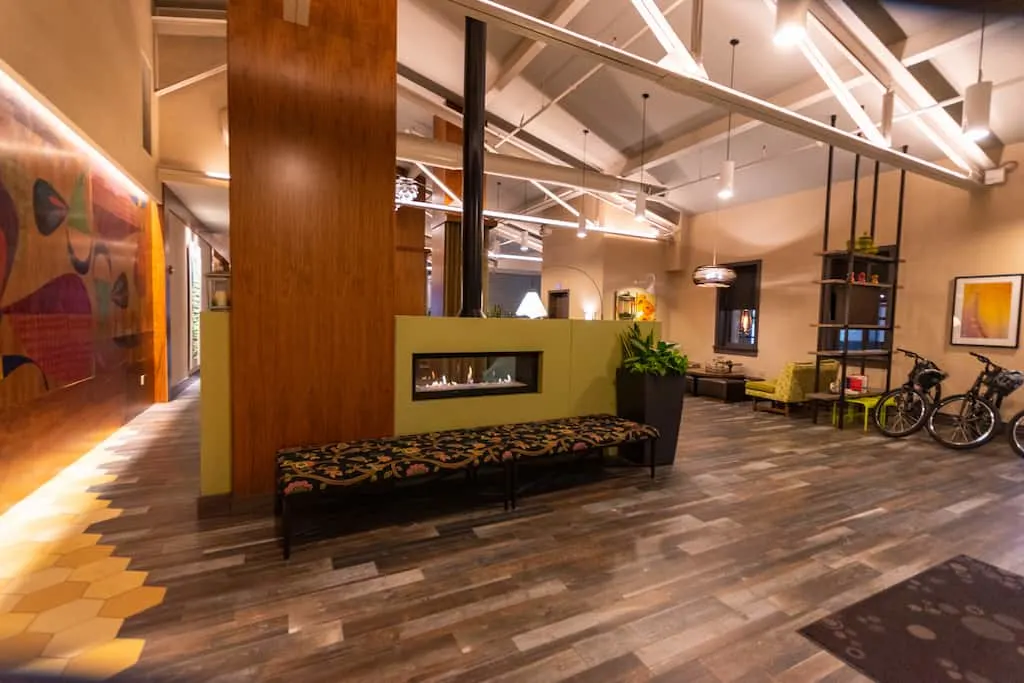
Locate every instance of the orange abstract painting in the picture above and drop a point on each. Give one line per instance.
(986, 310)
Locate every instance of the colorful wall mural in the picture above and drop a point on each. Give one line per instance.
(76, 300)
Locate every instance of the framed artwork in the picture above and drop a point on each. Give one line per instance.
(986, 311)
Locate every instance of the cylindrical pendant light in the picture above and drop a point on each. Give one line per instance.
(978, 100)
(523, 246)
(640, 211)
(977, 110)
(581, 227)
(727, 177)
(790, 22)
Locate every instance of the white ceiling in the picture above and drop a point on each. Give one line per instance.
(771, 161)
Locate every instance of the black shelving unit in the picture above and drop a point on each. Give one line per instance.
(845, 304)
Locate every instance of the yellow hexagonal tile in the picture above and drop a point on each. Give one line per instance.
(77, 639)
(12, 624)
(22, 648)
(66, 616)
(8, 601)
(134, 601)
(75, 542)
(39, 580)
(43, 666)
(48, 598)
(106, 660)
(94, 571)
(83, 556)
(115, 584)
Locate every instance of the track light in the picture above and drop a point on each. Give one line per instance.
(790, 22)
(726, 179)
(523, 246)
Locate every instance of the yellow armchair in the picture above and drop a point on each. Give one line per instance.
(792, 385)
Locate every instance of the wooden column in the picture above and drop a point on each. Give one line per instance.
(410, 260)
(312, 117)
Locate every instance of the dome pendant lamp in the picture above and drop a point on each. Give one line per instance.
(640, 213)
(714, 275)
(581, 227)
(727, 178)
(978, 100)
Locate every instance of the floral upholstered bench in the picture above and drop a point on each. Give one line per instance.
(318, 468)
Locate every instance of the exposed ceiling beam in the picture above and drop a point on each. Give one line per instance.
(914, 50)
(189, 26)
(888, 70)
(707, 91)
(527, 50)
(677, 56)
(191, 80)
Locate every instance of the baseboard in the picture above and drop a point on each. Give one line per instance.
(181, 386)
(225, 504)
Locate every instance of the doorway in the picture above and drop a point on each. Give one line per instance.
(558, 304)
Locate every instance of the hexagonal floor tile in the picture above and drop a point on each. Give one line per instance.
(43, 666)
(94, 571)
(22, 648)
(48, 598)
(115, 584)
(39, 580)
(106, 660)
(77, 639)
(134, 601)
(76, 542)
(66, 616)
(83, 556)
(12, 624)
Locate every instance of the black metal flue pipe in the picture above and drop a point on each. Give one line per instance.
(473, 169)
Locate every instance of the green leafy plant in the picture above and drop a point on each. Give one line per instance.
(642, 355)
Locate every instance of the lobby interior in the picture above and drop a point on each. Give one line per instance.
(349, 280)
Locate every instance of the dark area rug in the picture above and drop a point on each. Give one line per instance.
(962, 620)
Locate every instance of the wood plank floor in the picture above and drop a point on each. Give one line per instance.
(703, 575)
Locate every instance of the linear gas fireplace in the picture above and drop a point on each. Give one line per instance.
(456, 375)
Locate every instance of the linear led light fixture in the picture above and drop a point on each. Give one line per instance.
(514, 257)
(678, 55)
(25, 95)
(642, 233)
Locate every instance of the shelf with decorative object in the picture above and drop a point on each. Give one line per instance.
(849, 326)
(218, 285)
(853, 283)
(842, 253)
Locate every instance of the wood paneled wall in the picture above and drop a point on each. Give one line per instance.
(312, 119)
(410, 262)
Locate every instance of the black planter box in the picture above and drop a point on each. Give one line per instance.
(653, 400)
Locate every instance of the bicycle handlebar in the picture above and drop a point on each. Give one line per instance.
(909, 353)
(982, 358)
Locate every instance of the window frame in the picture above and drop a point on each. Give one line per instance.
(721, 343)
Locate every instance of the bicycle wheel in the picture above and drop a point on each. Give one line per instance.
(1016, 433)
(901, 412)
(963, 421)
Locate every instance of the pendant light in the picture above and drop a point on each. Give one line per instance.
(978, 100)
(727, 178)
(581, 227)
(746, 322)
(523, 246)
(790, 22)
(714, 275)
(640, 213)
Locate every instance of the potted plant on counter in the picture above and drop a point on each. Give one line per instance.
(649, 388)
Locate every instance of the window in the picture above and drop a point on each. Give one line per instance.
(737, 319)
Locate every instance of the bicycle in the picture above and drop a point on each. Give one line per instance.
(904, 410)
(973, 418)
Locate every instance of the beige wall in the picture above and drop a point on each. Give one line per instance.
(87, 58)
(947, 233)
(177, 295)
(611, 261)
(190, 119)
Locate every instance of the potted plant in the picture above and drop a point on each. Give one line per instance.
(649, 388)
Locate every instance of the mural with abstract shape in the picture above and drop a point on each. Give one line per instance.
(8, 364)
(48, 206)
(8, 235)
(119, 294)
(55, 328)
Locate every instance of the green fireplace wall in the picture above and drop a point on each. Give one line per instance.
(577, 375)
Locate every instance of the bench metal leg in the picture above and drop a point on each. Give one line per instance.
(286, 528)
(515, 482)
(507, 465)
